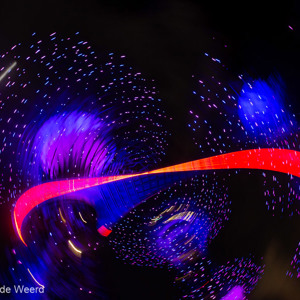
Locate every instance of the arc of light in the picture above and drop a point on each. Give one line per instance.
(42, 286)
(279, 160)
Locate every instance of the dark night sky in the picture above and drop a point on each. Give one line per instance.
(165, 40)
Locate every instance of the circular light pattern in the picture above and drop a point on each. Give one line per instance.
(180, 220)
(68, 113)
(246, 114)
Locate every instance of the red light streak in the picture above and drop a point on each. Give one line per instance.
(279, 160)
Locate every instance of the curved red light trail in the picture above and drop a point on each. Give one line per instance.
(279, 160)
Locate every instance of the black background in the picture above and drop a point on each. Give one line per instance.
(165, 40)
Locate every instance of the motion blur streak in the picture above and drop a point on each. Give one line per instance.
(8, 70)
(83, 220)
(77, 251)
(279, 160)
(35, 279)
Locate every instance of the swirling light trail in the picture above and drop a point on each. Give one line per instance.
(279, 160)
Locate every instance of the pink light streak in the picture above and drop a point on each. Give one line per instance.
(279, 160)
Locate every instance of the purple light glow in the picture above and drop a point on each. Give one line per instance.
(71, 144)
(236, 293)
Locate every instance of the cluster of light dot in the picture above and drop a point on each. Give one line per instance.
(218, 282)
(295, 264)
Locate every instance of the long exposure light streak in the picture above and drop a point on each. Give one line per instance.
(6, 71)
(77, 251)
(279, 160)
(42, 286)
